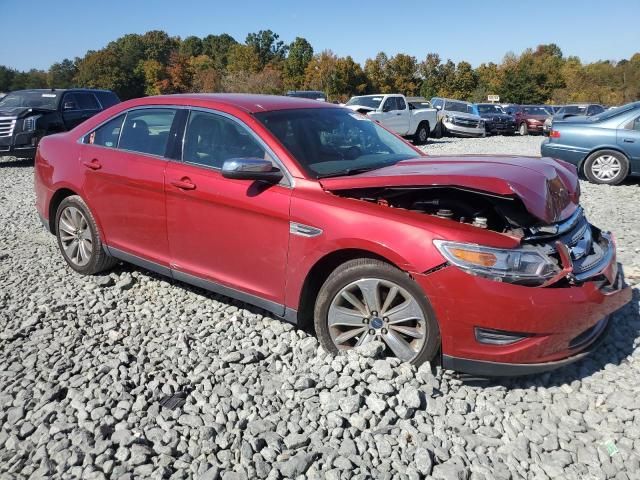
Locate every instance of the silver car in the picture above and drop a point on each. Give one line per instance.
(454, 118)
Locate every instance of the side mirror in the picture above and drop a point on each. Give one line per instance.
(251, 169)
(386, 108)
(439, 107)
(69, 106)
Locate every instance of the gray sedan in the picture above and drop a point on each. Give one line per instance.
(605, 147)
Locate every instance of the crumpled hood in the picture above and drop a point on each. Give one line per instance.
(470, 116)
(21, 112)
(548, 188)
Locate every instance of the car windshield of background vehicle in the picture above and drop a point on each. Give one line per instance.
(489, 109)
(371, 102)
(43, 100)
(330, 142)
(573, 110)
(535, 111)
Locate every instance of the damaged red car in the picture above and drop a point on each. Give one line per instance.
(326, 219)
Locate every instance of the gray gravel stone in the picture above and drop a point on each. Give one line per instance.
(85, 363)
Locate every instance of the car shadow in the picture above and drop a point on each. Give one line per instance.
(614, 350)
(12, 162)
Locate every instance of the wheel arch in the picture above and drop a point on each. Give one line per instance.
(318, 274)
(54, 203)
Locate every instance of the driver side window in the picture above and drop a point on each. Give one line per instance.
(212, 139)
(390, 105)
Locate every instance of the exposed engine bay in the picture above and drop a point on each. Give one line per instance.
(576, 247)
(501, 214)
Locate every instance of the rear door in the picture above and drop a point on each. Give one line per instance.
(124, 163)
(226, 233)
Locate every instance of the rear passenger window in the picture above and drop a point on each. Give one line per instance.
(212, 139)
(147, 130)
(87, 101)
(107, 135)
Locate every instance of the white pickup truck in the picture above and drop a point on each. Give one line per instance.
(399, 114)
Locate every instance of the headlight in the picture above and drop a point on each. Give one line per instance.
(449, 118)
(29, 123)
(517, 265)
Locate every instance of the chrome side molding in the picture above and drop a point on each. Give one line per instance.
(304, 230)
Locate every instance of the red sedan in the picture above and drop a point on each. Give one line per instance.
(324, 218)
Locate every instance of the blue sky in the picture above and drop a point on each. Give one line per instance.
(37, 33)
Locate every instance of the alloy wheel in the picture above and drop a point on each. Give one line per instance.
(606, 167)
(422, 134)
(375, 309)
(75, 236)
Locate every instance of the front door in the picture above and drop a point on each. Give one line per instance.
(395, 115)
(124, 164)
(226, 233)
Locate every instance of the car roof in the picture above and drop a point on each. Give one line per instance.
(250, 103)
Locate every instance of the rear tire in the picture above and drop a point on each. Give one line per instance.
(79, 238)
(606, 167)
(422, 134)
(345, 314)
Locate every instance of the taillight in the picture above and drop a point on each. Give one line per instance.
(554, 134)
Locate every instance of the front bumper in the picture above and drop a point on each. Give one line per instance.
(454, 129)
(495, 128)
(535, 127)
(556, 320)
(20, 145)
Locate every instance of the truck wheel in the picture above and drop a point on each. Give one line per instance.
(422, 134)
(606, 167)
(523, 130)
(366, 300)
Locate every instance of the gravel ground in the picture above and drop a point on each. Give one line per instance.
(130, 375)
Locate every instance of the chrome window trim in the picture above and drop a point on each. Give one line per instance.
(287, 175)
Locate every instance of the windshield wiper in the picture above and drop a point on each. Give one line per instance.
(350, 171)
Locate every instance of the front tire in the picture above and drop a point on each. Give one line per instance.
(606, 167)
(365, 300)
(523, 130)
(79, 239)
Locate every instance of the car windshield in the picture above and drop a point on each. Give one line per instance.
(420, 105)
(45, 100)
(329, 142)
(573, 110)
(535, 111)
(369, 101)
(489, 109)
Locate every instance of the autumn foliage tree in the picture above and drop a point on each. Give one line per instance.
(155, 62)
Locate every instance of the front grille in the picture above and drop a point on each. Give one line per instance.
(587, 246)
(466, 122)
(7, 124)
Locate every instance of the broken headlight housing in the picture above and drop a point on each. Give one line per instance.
(525, 266)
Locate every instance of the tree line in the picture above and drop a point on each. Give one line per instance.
(155, 63)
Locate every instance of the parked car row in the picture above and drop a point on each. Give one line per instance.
(28, 115)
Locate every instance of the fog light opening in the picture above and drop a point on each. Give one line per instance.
(498, 337)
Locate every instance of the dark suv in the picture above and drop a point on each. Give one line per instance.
(28, 115)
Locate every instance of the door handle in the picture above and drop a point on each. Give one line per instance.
(628, 140)
(184, 184)
(398, 114)
(93, 164)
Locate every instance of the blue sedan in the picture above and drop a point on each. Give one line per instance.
(605, 147)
